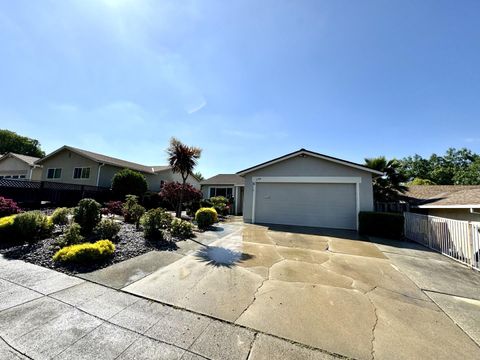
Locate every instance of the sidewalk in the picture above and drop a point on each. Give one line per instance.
(46, 314)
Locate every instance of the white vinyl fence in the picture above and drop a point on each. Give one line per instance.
(457, 239)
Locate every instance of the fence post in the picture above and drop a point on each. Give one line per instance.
(470, 244)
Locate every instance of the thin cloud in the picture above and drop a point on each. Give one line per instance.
(197, 108)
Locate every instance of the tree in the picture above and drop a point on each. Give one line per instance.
(12, 142)
(172, 191)
(182, 159)
(127, 182)
(386, 187)
(418, 181)
(199, 176)
(442, 170)
(469, 176)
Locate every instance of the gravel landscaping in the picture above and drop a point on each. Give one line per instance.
(128, 244)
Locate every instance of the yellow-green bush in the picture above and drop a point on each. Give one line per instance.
(206, 217)
(86, 252)
(31, 226)
(6, 226)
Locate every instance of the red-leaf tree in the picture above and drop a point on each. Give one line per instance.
(172, 193)
(182, 159)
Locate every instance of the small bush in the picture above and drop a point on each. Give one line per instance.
(206, 217)
(60, 216)
(181, 229)
(107, 229)
(114, 207)
(128, 181)
(87, 215)
(155, 222)
(8, 207)
(6, 226)
(72, 235)
(220, 204)
(130, 202)
(206, 203)
(31, 226)
(136, 213)
(85, 253)
(389, 225)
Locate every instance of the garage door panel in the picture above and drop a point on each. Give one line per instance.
(322, 205)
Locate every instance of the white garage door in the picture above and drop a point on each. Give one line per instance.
(305, 204)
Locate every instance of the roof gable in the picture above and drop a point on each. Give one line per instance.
(309, 153)
(443, 196)
(29, 160)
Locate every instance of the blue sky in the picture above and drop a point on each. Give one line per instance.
(244, 80)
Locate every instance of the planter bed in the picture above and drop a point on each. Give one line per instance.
(128, 244)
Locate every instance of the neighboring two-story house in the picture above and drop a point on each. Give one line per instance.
(21, 167)
(76, 166)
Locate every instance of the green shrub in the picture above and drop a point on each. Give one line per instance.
(220, 204)
(155, 222)
(389, 225)
(85, 253)
(6, 226)
(128, 181)
(72, 235)
(206, 217)
(60, 216)
(107, 229)
(181, 229)
(130, 205)
(87, 214)
(31, 226)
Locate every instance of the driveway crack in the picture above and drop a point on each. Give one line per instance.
(374, 324)
(254, 296)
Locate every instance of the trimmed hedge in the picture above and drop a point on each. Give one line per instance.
(31, 226)
(85, 253)
(181, 229)
(389, 225)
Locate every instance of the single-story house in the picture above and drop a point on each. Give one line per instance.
(458, 202)
(308, 189)
(228, 185)
(76, 166)
(17, 166)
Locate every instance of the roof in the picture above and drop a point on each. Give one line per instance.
(30, 160)
(443, 196)
(224, 179)
(310, 153)
(107, 160)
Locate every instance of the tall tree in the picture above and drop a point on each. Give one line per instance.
(12, 142)
(183, 159)
(389, 186)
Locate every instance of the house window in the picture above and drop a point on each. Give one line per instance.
(221, 191)
(54, 173)
(81, 173)
(22, 176)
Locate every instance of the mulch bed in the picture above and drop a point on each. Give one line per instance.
(128, 244)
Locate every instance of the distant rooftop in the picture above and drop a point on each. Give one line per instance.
(443, 195)
(30, 160)
(224, 179)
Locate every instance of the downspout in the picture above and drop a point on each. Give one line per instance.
(98, 173)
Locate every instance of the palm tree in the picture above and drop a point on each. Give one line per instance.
(182, 159)
(389, 186)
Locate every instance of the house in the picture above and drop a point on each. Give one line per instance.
(458, 202)
(308, 189)
(228, 185)
(17, 166)
(76, 166)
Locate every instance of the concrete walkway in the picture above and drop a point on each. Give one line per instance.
(45, 314)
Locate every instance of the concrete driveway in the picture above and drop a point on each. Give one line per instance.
(329, 290)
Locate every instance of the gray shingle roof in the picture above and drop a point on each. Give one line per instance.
(443, 195)
(30, 160)
(224, 179)
(109, 160)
